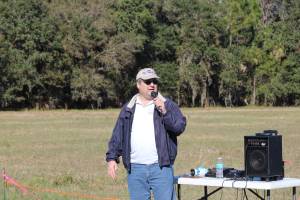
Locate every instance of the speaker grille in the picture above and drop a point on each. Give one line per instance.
(257, 160)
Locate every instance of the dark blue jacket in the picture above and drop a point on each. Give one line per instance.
(167, 127)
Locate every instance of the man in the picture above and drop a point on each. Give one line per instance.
(145, 135)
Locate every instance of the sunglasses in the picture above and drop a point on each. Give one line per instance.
(149, 81)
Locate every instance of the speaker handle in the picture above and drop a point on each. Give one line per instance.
(272, 132)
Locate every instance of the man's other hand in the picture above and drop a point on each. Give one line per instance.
(112, 169)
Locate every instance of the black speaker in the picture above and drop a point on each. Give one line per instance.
(263, 156)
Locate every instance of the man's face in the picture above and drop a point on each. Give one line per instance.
(145, 87)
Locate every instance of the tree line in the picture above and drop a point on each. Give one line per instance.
(86, 53)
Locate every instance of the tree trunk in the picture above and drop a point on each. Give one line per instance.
(270, 10)
(194, 95)
(204, 95)
(194, 92)
(265, 100)
(253, 98)
(178, 96)
(228, 100)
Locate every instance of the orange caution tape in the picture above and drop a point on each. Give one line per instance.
(13, 182)
(24, 190)
(71, 194)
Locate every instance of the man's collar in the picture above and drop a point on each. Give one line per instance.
(134, 99)
(139, 101)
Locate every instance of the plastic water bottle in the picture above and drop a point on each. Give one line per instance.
(219, 168)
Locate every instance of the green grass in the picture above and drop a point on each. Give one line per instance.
(65, 150)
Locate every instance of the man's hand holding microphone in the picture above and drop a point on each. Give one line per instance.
(159, 103)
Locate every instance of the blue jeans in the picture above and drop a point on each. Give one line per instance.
(144, 178)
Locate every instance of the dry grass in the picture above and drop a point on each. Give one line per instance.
(65, 150)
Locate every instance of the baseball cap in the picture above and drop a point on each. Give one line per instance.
(146, 73)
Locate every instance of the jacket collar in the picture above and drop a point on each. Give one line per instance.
(132, 102)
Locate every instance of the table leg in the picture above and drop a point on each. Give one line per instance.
(268, 195)
(257, 195)
(294, 193)
(205, 192)
(178, 192)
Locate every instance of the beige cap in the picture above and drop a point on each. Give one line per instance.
(146, 73)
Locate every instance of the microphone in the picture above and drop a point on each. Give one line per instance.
(154, 94)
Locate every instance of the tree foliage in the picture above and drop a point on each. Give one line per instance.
(85, 54)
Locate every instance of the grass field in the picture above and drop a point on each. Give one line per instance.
(61, 154)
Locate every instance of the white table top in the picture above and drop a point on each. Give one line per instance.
(226, 182)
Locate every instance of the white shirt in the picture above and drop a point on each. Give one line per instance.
(143, 146)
